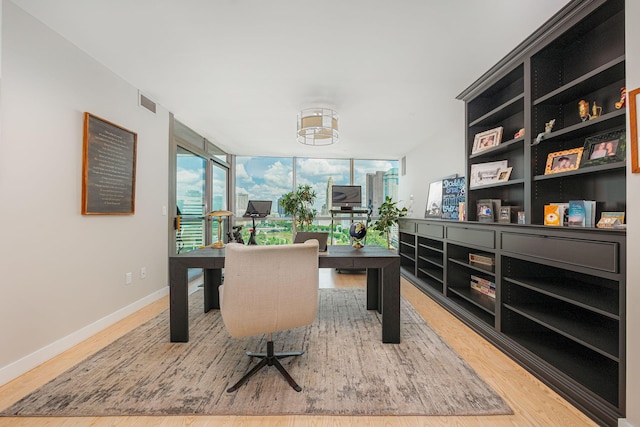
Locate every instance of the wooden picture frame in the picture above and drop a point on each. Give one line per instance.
(563, 161)
(604, 148)
(634, 131)
(504, 174)
(486, 173)
(108, 168)
(487, 139)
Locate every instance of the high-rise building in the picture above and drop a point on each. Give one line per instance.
(327, 204)
(374, 191)
(390, 182)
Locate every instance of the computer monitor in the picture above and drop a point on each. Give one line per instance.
(346, 196)
(258, 208)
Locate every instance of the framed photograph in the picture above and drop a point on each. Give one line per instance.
(634, 131)
(486, 173)
(563, 161)
(604, 148)
(504, 174)
(434, 199)
(487, 139)
(108, 168)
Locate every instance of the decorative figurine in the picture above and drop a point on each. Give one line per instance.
(547, 130)
(583, 108)
(623, 98)
(519, 134)
(596, 111)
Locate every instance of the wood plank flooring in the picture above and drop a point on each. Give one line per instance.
(533, 403)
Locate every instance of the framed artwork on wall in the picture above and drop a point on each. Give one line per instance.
(108, 168)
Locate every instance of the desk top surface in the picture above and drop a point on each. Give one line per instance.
(333, 251)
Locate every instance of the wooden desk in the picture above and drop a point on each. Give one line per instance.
(383, 283)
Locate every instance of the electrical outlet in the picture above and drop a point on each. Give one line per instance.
(143, 272)
(128, 278)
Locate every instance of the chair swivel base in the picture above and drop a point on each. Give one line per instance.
(268, 359)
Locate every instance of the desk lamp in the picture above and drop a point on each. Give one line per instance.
(220, 213)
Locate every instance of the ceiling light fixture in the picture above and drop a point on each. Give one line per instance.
(317, 126)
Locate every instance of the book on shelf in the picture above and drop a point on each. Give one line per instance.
(556, 214)
(484, 286)
(617, 215)
(553, 215)
(452, 195)
(582, 213)
(482, 261)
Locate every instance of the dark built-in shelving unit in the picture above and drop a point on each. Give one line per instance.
(559, 306)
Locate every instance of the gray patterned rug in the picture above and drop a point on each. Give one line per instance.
(346, 370)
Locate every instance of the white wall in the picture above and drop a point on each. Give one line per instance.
(62, 274)
(632, 33)
(441, 154)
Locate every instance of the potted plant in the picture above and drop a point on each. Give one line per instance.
(299, 204)
(388, 215)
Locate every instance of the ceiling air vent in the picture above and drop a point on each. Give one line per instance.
(147, 103)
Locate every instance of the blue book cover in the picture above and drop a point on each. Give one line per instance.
(452, 195)
(577, 213)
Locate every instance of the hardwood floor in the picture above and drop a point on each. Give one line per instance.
(533, 403)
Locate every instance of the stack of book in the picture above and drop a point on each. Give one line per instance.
(483, 286)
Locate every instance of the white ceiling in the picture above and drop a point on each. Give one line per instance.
(238, 71)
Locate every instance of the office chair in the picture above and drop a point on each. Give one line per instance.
(269, 289)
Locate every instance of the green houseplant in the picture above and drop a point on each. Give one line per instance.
(299, 204)
(388, 215)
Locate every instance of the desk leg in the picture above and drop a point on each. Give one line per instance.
(178, 303)
(212, 280)
(373, 289)
(391, 303)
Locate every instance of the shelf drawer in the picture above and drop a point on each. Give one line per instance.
(591, 254)
(485, 238)
(407, 226)
(431, 230)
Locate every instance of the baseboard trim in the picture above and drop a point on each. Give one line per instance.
(25, 364)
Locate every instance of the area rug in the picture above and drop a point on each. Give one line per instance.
(346, 370)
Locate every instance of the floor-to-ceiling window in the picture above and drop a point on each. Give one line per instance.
(268, 178)
(199, 185)
(190, 200)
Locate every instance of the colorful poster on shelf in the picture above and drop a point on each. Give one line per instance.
(452, 195)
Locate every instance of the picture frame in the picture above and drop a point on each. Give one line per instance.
(108, 168)
(487, 139)
(634, 132)
(433, 209)
(604, 148)
(563, 161)
(504, 174)
(486, 173)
